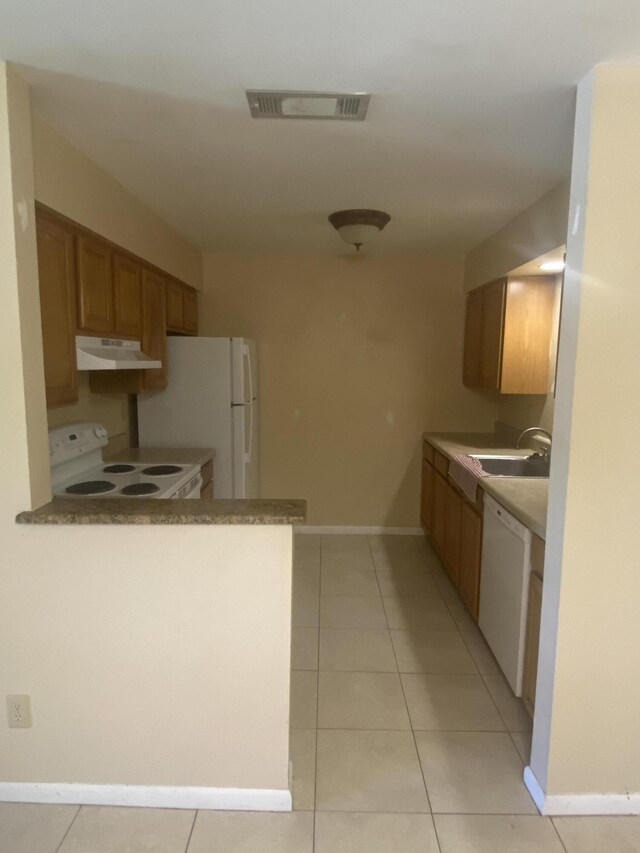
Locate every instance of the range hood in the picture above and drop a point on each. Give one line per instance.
(111, 354)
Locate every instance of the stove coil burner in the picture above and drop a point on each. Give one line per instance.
(119, 469)
(162, 470)
(140, 489)
(90, 487)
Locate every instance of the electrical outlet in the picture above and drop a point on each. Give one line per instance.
(19, 711)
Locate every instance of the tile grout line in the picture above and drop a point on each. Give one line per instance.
(557, 831)
(193, 824)
(411, 729)
(504, 722)
(509, 732)
(315, 762)
(507, 729)
(73, 820)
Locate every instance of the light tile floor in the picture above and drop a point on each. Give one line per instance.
(405, 737)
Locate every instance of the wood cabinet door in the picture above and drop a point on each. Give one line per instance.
(154, 329)
(470, 557)
(190, 310)
(439, 510)
(528, 324)
(426, 497)
(493, 298)
(128, 295)
(472, 340)
(57, 277)
(453, 510)
(175, 306)
(96, 309)
(532, 642)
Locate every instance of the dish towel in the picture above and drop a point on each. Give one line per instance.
(466, 471)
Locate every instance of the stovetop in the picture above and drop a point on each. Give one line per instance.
(125, 480)
(78, 469)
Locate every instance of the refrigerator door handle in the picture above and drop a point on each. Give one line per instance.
(246, 354)
(247, 455)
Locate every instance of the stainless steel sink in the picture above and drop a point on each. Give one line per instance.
(513, 466)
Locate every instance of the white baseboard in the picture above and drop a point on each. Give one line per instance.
(371, 531)
(152, 796)
(556, 805)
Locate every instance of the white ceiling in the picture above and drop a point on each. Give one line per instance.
(470, 119)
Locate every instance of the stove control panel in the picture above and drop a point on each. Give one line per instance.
(69, 442)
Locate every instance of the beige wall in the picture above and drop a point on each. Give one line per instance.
(358, 356)
(67, 181)
(535, 231)
(110, 410)
(153, 655)
(538, 229)
(23, 414)
(147, 660)
(588, 701)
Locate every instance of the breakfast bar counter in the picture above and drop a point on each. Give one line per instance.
(149, 511)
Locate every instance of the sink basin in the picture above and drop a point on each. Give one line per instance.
(513, 466)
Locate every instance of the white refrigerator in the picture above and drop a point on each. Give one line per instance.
(211, 400)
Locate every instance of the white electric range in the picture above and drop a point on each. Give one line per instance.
(78, 469)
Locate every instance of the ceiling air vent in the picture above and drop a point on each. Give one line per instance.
(340, 106)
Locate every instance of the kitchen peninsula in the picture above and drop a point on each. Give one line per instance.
(169, 622)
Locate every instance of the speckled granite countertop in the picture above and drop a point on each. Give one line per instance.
(525, 497)
(149, 511)
(165, 456)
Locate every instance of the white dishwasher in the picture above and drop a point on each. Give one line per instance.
(504, 588)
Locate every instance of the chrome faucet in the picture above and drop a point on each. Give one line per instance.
(546, 451)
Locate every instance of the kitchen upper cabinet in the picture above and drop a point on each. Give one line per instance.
(96, 303)
(153, 340)
(57, 277)
(470, 557)
(90, 286)
(190, 310)
(182, 308)
(175, 306)
(128, 295)
(508, 330)
(491, 334)
(154, 324)
(472, 340)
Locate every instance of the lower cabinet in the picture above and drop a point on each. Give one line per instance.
(426, 496)
(452, 522)
(455, 527)
(206, 489)
(470, 557)
(439, 513)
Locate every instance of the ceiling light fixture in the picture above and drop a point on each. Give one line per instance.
(552, 266)
(358, 226)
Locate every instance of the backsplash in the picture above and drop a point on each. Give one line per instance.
(110, 410)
